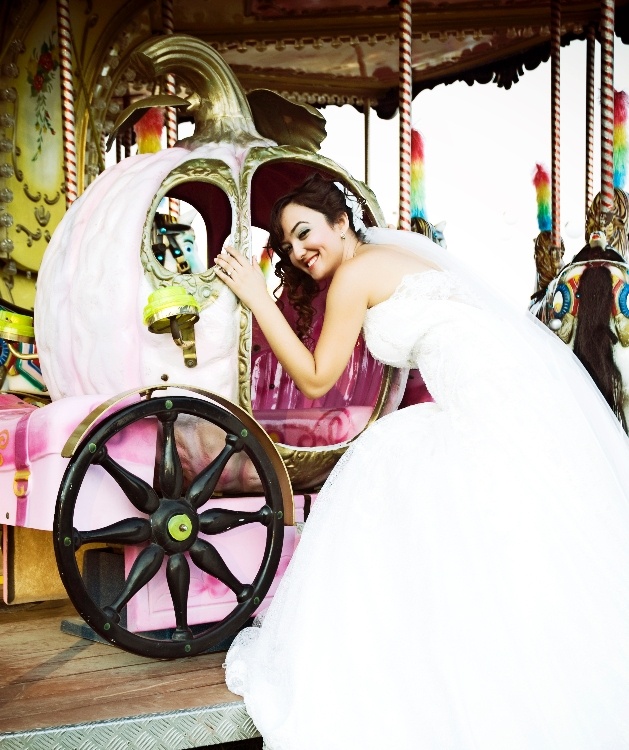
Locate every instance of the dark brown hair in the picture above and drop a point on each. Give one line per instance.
(594, 340)
(324, 196)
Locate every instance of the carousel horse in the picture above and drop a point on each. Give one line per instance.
(585, 301)
(585, 304)
(20, 371)
(434, 232)
(616, 230)
(175, 246)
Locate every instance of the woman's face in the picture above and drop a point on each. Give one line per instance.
(312, 245)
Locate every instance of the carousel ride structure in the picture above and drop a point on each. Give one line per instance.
(584, 301)
(175, 451)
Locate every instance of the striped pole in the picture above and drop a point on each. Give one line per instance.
(405, 87)
(67, 100)
(366, 114)
(127, 142)
(607, 111)
(555, 68)
(589, 118)
(168, 25)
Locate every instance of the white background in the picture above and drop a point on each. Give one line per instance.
(481, 146)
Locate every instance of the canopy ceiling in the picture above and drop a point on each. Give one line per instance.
(337, 51)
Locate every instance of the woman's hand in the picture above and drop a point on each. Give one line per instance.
(245, 279)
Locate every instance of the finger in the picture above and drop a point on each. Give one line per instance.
(224, 263)
(223, 273)
(233, 255)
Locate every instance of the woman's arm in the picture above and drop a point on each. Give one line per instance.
(313, 373)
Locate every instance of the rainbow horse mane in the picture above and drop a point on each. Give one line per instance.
(148, 131)
(541, 180)
(418, 190)
(621, 105)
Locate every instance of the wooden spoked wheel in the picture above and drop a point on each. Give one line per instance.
(170, 527)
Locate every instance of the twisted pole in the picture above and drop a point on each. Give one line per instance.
(555, 54)
(607, 112)
(168, 25)
(405, 87)
(589, 118)
(67, 100)
(366, 113)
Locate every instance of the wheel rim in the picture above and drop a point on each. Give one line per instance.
(172, 527)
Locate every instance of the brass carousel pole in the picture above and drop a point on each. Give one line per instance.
(555, 54)
(67, 100)
(607, 112)
(589, 118)
(168, 25)
(548, 245)
(366, 113)
(405, 74)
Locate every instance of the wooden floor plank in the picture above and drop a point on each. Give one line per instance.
(49, 678)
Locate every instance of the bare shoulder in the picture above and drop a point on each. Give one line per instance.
(382, 267)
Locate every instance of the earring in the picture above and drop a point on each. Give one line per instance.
(343, 235)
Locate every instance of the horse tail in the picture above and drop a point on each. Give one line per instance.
(594, 339)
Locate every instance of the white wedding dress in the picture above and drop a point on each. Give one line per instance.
(462, 582)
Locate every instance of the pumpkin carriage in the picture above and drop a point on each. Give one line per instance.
(175, 469)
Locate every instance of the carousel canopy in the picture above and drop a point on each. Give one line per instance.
(345, 51)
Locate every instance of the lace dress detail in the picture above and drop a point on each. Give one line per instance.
(461, 583)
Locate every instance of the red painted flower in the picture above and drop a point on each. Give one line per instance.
(45, 61)
(38, 82)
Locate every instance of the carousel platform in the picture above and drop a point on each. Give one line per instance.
(60, 692)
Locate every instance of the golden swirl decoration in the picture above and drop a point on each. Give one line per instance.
(4, 441)
(52, 201)
(42, 216)
(244, 359)
(35, 197)
(31, 236)
(309, 468)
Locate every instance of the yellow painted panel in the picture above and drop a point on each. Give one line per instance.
(23, 291)
(38, 202)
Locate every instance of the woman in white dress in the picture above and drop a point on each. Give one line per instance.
(463, 579)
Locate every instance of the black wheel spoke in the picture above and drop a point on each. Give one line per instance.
(204, 483)
(175, 525)
(218, 520)
(170, 472)
(146, 565)
(207, 557)
(129, 531)
(141, 494)
(178, 576)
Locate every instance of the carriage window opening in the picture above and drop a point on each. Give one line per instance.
(180, 242)
(266, 258)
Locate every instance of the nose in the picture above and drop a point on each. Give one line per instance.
(299, 251)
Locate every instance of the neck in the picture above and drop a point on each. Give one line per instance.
(351, 247)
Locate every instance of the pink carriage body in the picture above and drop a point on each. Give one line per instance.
(93, 345)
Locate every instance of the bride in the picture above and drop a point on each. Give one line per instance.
(463, 579)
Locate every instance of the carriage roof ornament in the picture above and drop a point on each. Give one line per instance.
(221, 110)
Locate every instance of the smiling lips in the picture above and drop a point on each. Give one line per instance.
(311, 262)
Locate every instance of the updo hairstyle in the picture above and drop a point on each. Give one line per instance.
(324, 196)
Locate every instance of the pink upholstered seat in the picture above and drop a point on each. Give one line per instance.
(31, 440)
